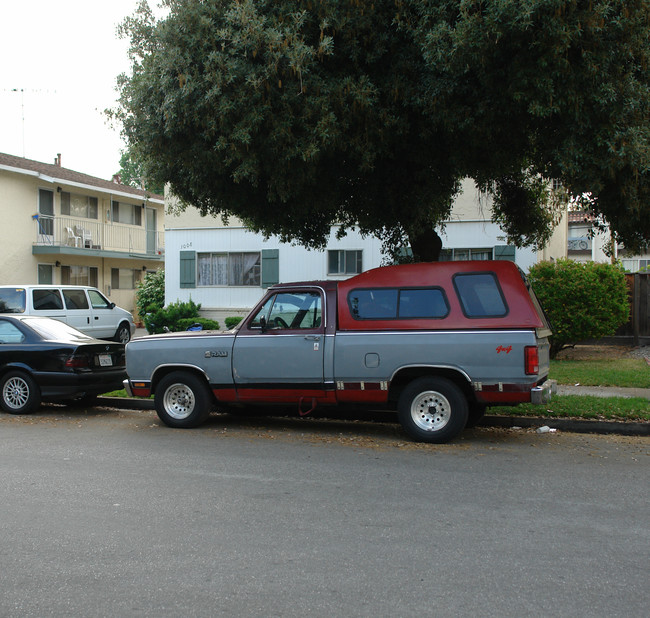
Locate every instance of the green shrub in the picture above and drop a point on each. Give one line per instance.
(232, 321)
(207, 324)
(583, 300)
(150, 293)
(168, 318)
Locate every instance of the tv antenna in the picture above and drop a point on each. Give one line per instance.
(22, 104)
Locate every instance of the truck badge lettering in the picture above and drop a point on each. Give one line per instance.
(216, 354)
(502, 349)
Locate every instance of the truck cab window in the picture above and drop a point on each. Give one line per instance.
(290, 311)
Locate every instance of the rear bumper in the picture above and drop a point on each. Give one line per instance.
(542, 394)
(60, 385)
(509, 394)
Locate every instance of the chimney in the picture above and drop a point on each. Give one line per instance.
(117, 179)
(57, 161)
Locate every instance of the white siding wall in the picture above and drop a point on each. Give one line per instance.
(295, 263)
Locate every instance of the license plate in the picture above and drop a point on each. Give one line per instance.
(105, 360)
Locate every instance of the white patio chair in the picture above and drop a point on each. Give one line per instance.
(85, 235)
(73, 238)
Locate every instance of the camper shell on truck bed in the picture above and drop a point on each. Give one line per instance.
(438, 342)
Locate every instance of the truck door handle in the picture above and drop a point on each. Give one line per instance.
(312, 337)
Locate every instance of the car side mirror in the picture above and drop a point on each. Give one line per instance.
(263, 323)
(111, 306)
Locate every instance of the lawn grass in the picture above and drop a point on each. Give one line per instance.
(583, 406)
(626, 372)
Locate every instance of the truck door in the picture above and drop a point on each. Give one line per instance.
(278, 354)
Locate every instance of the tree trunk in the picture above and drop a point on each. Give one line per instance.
(426, 245)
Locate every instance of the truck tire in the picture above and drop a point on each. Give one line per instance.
(432, 409)
(19, 393)
(183, 400)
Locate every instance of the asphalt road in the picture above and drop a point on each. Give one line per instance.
(108, 513)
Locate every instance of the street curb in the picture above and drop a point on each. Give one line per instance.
(569, 424)
(563, 424)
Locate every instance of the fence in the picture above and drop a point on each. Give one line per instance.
(637, 330)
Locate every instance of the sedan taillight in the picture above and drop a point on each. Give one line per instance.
(77, 361)
(531, 360)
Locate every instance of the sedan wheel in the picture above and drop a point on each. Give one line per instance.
(20, 393)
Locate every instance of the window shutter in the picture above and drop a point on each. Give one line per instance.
(270, 267)
(188, 269)
(504, 252)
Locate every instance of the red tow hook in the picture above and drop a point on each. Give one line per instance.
(313, 406)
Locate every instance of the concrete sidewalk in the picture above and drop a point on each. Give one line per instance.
(602, 391)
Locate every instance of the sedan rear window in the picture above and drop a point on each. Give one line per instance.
(9, 333)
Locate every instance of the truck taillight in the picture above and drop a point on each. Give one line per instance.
(531, 360)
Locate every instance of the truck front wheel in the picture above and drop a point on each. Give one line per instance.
(432, 409)
(182, 400)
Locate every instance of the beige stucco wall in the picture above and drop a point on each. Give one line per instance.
(191, 217)
(557, 245)
(19, 232)
(18, 202)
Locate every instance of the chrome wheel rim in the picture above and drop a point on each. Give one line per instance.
(15, 393)
(430, 411)
(179, 401)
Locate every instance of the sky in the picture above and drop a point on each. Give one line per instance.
(60, 61)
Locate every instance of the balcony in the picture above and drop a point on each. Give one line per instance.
(74, 236)
(580, 243)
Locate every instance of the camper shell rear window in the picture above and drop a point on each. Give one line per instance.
(480, 295)
(398, 303)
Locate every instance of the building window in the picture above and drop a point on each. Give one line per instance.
(229, 269)
(461, 255)
(125, 278)
(45, 274)
(342, 262)
(636, 266)
(74, 205)
(126, 213)
(79, 275)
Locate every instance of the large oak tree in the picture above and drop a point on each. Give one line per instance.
(298, 114)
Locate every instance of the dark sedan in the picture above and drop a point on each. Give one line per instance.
(46, 360)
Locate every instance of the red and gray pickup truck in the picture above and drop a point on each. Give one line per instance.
(438, 342)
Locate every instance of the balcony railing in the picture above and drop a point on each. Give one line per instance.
(582, 243)
(90, 234)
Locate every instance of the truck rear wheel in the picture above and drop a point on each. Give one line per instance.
(432, 409)
(182, 400)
